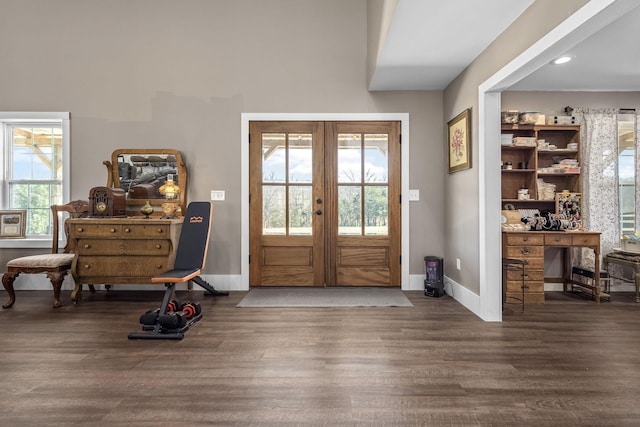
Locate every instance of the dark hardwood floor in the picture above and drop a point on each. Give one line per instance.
(570, 362)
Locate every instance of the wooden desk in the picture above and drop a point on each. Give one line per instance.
(121, 250)
(625, 259)
(530, 246)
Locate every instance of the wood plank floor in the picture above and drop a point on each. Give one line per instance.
(569, 362)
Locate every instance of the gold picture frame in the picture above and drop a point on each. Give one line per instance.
(13, 224)
(459, 141)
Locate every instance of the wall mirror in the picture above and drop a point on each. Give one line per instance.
(141, 173)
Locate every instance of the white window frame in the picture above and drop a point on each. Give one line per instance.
(22, 118)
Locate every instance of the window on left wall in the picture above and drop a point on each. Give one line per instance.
(35, 168)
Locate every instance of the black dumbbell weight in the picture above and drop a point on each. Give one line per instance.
(150, 317)
(191, 309)
(173, 306)
(175, 320)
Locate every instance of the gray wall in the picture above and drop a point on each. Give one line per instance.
(461, 204)
(178, 74)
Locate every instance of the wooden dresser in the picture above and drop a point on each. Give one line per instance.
(530, 246)
(121, 250)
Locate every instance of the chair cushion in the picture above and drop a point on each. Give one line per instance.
(41, 261)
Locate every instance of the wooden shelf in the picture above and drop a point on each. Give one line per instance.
(515, 179)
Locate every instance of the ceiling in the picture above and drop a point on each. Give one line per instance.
(421, 52)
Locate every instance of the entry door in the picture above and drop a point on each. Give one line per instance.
(324, 204)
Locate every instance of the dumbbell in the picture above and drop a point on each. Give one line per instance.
(174, 320)
(150, 317)
(191, 309)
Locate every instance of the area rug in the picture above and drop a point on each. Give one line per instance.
(325, 297)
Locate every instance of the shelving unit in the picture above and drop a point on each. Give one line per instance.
(538, 163)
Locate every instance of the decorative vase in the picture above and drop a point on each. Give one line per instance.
(147, 209)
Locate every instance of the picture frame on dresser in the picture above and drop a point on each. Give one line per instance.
(13, 224)
(459, 141)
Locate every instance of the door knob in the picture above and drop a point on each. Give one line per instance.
(318, 212)
(319, 201)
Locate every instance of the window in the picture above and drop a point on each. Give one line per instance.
(35, 170)
(627, 171)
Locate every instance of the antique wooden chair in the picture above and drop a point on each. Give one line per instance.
(56, 265)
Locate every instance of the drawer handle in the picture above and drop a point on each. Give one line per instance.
(127, 230)
(113, 230)
(525, 276)
(87, 266)
(525, 239)
(80, 229)
(87, 246)
(525, 251)
(158, 246)
(557, 239)
(159, 266)
(160, 230)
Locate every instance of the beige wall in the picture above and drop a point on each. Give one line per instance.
(178, 74)
(462, 204)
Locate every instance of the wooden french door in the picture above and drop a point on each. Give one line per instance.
(324, 204)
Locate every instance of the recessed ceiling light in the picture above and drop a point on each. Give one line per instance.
(562, 60)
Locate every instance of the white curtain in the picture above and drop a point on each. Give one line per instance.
(599, 163)
(637, 147)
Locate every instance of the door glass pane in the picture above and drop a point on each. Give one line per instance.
(349, 210)
(273, 209)
(273, 157)
(349, 157)
(376, 157)
(300, 158)
(376, 210)
(300, 214)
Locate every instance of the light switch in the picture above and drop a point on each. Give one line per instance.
(414, 195)
(217, 195)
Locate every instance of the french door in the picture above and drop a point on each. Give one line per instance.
(324, 203)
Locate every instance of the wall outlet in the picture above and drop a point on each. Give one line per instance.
(414, 195)
(217, 195)
(458, 263)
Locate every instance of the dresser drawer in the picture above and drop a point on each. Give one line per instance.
(557, 240)
(115, 266)
(119, 231)
(124, 247)
(585, 240)
(530, 238)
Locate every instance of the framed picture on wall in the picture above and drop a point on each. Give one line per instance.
(13, 224)
(459, 141)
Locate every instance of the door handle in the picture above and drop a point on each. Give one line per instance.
(318, 212)
(319, 201)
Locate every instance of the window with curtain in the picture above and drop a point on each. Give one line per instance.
(611, 171)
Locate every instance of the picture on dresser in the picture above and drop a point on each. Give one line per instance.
(569, 210)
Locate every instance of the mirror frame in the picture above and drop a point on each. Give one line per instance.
(134, 205)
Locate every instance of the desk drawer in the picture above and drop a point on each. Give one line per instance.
(530, 274)
(525, 252)
(514, 286)
(585, 240)
(530, 238)
(557, 240)
(123, 247)
(121, 266)
(529, 297)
